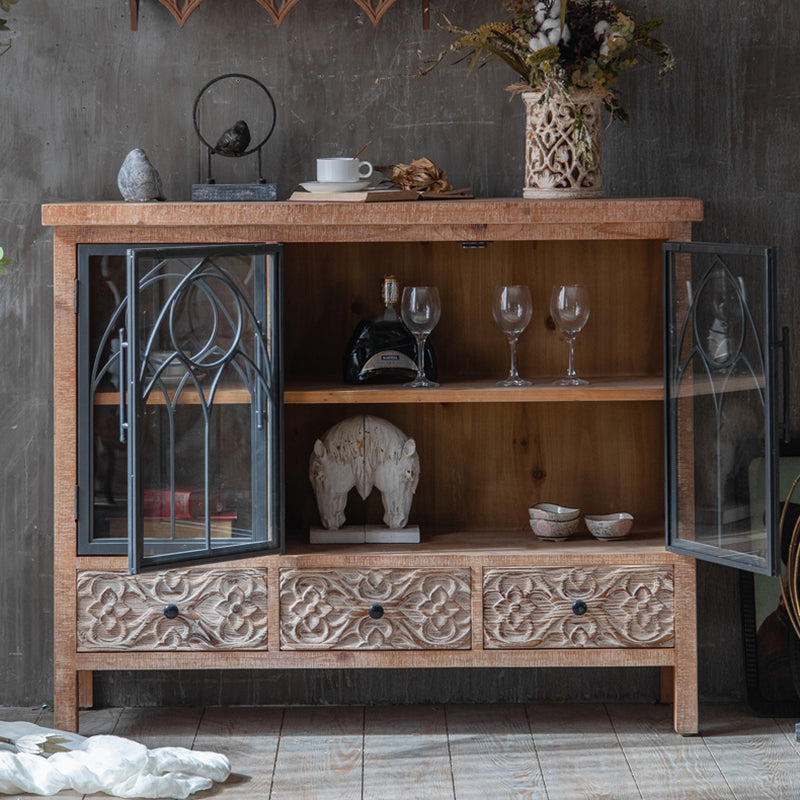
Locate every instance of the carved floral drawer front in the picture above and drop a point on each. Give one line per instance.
(375, 609)
(195, 609)
(555, 607)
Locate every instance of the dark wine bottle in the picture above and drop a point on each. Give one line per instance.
(383, 350)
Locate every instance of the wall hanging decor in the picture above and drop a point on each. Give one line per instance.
(567, 56)
(277, 9)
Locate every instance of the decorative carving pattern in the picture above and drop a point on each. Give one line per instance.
(180, 9)
(375, 8)
(217, 610)
(625, 607)
(328, 609)
(555, 163)
(278, 9)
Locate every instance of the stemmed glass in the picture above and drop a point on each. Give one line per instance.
(512, 308)
(420, 309)
(569, 308)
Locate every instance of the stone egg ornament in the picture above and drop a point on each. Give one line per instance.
(138, 180)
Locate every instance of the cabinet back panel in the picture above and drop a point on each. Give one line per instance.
(482, 466)
(330, 287)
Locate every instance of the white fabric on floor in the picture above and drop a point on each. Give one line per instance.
(119, 767)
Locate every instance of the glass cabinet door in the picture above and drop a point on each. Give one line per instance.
(720, 426)
(181, 402)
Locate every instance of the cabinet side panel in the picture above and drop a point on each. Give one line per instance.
(65, 477)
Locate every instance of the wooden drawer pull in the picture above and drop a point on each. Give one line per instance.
(579, 607)
(376, 611)
(171, 611)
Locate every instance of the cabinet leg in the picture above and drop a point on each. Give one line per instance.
(685, 708)
(685, 670)
(65, 700)
(85, 688)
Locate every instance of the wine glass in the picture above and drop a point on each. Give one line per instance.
(420, 309)
(512, 309)
(569, 308)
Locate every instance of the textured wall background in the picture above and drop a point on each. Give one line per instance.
(80, 89)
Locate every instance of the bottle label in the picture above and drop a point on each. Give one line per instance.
(388, 360)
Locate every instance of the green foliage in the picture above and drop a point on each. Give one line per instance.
(5, 5)
(4, 262)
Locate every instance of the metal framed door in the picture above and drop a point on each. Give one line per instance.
(721, 442)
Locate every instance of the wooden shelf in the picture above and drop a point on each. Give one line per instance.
(604, 390)
(506, 219)
(497, 547)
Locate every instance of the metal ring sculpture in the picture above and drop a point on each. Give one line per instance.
(211, 149)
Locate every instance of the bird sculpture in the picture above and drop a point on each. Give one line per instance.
(138, 180)
(235, 140)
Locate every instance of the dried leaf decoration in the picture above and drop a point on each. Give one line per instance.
(278, 9)
(421, 175)
(375, 9)
(180, 9)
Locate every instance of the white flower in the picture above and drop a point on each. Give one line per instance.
(539, 42)
(602, 32)
(602, 29)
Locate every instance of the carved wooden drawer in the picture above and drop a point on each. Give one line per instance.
(194, 609)
(558, 607)
(375, 609)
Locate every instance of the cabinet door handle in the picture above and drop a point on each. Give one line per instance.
(123, 411)
(376, 611)
(171, 611)
(579, 607)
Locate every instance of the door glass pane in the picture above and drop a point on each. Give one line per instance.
(720, 426)
(103, 498)
(204, 400)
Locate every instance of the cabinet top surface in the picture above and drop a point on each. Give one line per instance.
(480, 214)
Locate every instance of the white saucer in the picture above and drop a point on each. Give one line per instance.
(335, 186)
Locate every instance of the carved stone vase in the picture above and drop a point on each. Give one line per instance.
(558, 164)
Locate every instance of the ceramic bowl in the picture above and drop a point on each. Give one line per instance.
(609, 526)
(553, 511)
(551, 530)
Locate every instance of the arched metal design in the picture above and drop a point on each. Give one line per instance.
(184, 374)
(720, 390)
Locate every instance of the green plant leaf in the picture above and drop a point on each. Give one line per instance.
(4, 262)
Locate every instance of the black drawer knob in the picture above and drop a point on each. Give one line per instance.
(171, 611)
(579, 607)
(376, 611)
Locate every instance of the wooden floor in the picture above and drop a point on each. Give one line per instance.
(542, 752)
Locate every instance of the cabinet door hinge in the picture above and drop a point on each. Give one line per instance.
(77, 500)
(77, 294)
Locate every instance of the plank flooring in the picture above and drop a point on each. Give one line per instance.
(535, 752)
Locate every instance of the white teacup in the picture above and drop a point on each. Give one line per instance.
(342, 170)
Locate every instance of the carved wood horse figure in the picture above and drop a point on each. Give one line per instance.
(364, 451)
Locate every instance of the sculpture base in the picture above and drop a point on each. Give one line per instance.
(234, 192)
(366, 534)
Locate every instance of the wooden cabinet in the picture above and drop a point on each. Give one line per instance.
(478, 589)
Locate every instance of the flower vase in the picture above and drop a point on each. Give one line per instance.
(562, 158)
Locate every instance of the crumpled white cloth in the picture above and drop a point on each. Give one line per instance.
(119, 767)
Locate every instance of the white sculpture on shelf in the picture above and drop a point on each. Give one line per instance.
(364, 452)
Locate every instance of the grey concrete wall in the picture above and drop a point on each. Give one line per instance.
(80, 90)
